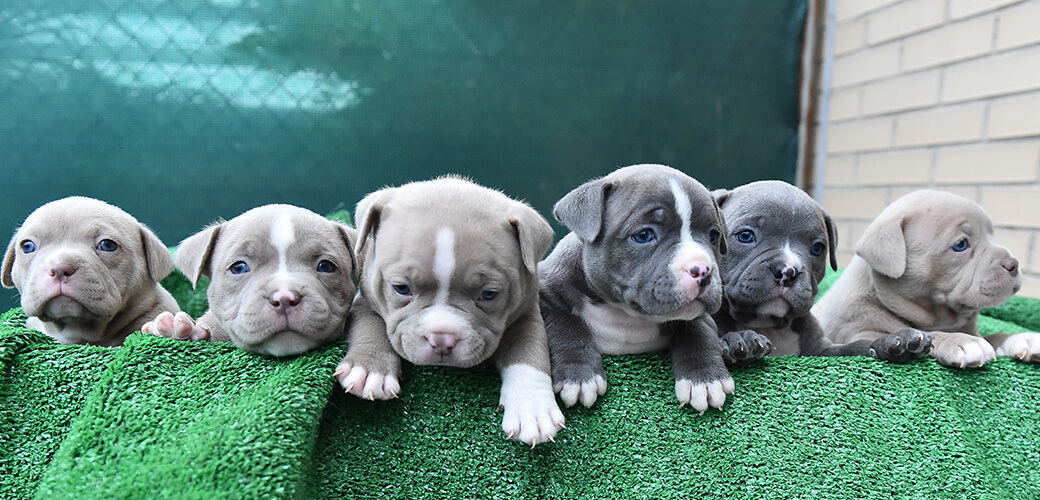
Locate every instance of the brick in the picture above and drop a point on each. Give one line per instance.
(955, 42)
(850, 36)
(1030, 286)
(903, 18)
(1013, 206)
(916, 90)
(860, 135)
(865, 65)
(855, 203)
(849, 9)
(1019, 26)
(940, 125)
(839, 171)
(844, 104)
(1003, 74)
(898, 168)
(1015, 117)
(990, 163)
(1017, 241)
(965, 8)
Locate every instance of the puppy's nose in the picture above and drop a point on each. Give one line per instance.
(1011, 264)
(701, 272)
(62, 270)
(785, 276)
(284, 300)
(442, 343)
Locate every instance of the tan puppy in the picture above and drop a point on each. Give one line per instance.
(449, 277)
(280, 281)
(928, 262)
(87, 271)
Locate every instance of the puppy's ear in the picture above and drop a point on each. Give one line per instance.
(8, 279)
(534, 234)
(720, 195)
(581, 210)
(716, 201)
(349, 236)
(366, 216)
(156, 255)
(832, 240)
(883, 247)
(193, 254)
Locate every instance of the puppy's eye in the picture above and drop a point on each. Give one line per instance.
(326, 266)
(239, 267)
(960, 246)
(488, 295)
(817, 249)
(28, 246)
(643, 236)
(713, 236)
(403, 290)
(107, 246)
(746, 236)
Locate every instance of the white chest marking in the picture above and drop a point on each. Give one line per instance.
(683, 208)
(282, 235)
(444, 262)
(617, 332)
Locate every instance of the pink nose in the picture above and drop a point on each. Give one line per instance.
(62, 270)
(284, 300)
(442, 343)
(1011, 264)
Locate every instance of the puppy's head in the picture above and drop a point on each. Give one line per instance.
(938, 248)
(651, 237)
(280, 277)
(80, 261)
(779, 241)
(449, 265)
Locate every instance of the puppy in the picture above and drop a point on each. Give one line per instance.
(779, 240)
(637, 273)
(449, 277)
(928, 263)
(281, 281)
(87, 271)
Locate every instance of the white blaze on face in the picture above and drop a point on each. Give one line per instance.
(682, 207)
(791, 259)
(282, 235)
(688, 253)
(444, 262)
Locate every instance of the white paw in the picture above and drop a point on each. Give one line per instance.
(1022, 346)
(585, 391)
(702, 395)
(960, 350)
(179, 327)
(358, 381)
(531, 413)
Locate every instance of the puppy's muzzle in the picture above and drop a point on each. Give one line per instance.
(62, 271)
(1011, 265)
(442, 343)
(284, 300)
(786, 276)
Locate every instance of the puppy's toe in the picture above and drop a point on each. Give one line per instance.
(533, 421)
(959, 350)
(1022, 346)
(702, 395)
(162, 325)
(746, 346)
(902, 346)
(183, 326)
(358, 381)
(586, 391)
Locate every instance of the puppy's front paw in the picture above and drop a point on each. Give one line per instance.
(902, 346)
(745, 346)
(1022, 346)
(178, 326)
(701, 395)
(586, 391)
(960, 350)
(532, 415)
(358, 381)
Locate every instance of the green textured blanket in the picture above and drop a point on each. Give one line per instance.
(164, 419)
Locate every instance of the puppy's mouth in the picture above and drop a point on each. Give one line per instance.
(65, 309)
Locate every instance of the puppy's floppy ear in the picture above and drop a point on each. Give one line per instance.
(718, 197)
(193, 254)
(581, 210)
(883, 246)
(349, 236)
(366, 216)
(156, 255)
(8, 279)
(534, 234)
(832, 240)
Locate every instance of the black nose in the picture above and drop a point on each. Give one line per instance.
(785, 276)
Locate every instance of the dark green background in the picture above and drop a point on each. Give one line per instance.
(185, 111)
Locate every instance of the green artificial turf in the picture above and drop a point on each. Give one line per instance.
(158, 418)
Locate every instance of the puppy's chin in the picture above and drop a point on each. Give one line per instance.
(279, 344)
(62, 309)
(470, 351)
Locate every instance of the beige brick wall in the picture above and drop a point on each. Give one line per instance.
(935, 93)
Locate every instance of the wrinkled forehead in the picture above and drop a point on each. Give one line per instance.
(64, 220)
(433, 244)
(274, 231)
(772, 209)
(659, 199)
(937, 223)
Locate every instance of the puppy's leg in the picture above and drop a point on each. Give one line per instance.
(898, 347)
(701, 377)
(577, 366)
(371, 369)
(960, 350)
(1021, 346)
(744, 347)
(531, 413)
(180, 326)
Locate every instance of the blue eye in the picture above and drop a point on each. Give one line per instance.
(403, 290)
(960, 246)
(488, 295)
(239, 267)
(746, 236)
(28, 246)
(817, 248)
(107, 246)
(326, 266)
(644, 236)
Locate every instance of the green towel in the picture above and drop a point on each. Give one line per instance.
(164, 419)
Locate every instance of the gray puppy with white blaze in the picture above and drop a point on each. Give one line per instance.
(449, 277)
(637, 274)
(779, 241)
